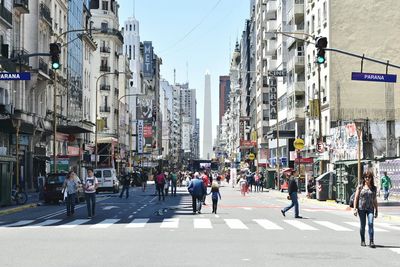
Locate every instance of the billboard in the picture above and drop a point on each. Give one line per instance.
(148, 71)
(144, 108)
(273, 99)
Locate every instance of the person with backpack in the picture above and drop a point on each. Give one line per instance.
(214, 196)
(366, 206)
(160, 184)
(173, 176)
(386, 184)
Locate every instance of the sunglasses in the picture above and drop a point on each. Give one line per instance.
(367, 177)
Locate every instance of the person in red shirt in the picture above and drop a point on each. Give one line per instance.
(206, 182)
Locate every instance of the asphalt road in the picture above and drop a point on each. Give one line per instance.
(141, 231)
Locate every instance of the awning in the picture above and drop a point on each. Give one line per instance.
(351, 162)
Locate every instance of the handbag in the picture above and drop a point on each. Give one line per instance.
(289, 197)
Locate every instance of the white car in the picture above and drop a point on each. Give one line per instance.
(107, 178)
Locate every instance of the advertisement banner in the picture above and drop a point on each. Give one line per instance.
(148, 60)
(148, 135)
(343, 142)
(273, 99)
(144, 108)
(148, 130)
(140, 137)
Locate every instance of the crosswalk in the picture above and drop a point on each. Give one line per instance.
(201, 223)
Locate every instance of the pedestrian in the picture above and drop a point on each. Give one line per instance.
(160, 183)
(214, 196)
(144, 177)
(386, 185)
(70, 186)
(206, 182)
(166, 185)
(126, 182)
(292, 190)
(197, 190)
(262, 181)
(366, 206)
(90, 185)
(310, 188)
(173, 177)
(257, 181)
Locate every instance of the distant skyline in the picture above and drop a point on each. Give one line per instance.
(191, 37)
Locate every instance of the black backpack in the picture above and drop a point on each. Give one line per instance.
(351, 201)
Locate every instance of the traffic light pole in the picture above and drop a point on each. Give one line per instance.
(55, 122)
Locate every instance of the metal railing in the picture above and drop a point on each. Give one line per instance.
(105, 68)
(105, 49)
(6, 14)
(105, 109)
(22, 5)
(105, 87)
(45, 13)
(43, 66)
(17, 52)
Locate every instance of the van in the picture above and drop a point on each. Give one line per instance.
(107, 178)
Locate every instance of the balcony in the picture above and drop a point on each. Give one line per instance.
(43, 66)
(6, 16)
(296, 13)
(270, 10)
(271, 64)
(45, 14)
(115, 32)
(22, 6)
(105, 109)
(17, 55)
(296, 63)
(269, 48)
(105, 68)
(105, 49)
(297, 29)
(105, 87)
(271, 26)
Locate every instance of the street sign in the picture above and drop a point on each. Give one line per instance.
(320, 147)
(15, 76)
(277, 73)
(298, 144)
(374, 77)
(252, 156)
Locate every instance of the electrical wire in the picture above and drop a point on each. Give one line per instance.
(194, 28)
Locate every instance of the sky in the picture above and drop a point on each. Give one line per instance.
(191, 36)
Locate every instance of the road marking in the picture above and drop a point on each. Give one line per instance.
(44, 223)
(247, 208)
(357, 224)
(104, 224)
(138, 223)
(300, 225)
(333, 226)
(73, 223)
(390, 226)
(170, 223)
(202, 223)
(235, 224)
(216, 216)
(19, 223)
(396, 250)
(266, 224)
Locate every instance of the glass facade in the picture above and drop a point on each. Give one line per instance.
(75, 58)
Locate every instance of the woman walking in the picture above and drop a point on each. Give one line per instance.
(160, 184)
(90, 185)
(214, 196)
(71, 186)
(366, 206)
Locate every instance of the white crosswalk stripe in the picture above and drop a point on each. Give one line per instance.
(266, 224)
(202, 224)
(333, 226)
(170, 223)
(73, 224)
(396, 250)
(138, 223)
(104, 224)
(389, 226)
(300, 225)
(19, 223)
(357, 224)
(235, 224)
(44, 223)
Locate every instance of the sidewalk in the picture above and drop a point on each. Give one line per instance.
(33, 201)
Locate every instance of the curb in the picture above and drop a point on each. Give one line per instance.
(17, 209)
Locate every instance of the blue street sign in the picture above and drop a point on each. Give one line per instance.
(374, 77)
(15, 76)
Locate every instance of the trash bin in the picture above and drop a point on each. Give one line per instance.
(325, 188)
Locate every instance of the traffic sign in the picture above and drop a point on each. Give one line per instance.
(374, 77)
(15, 76)
(252, 156)
(277, 73)
(320, 147)
(298, 144)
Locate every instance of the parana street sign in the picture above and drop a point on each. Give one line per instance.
(15, 76)
(374, 77)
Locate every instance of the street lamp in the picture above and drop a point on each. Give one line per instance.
(97, 108)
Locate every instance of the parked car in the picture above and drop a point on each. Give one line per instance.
(52, 190)
(107, 178)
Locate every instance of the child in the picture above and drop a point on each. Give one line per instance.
(214, 196)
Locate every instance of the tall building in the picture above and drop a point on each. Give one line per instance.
(224, 90)
(207, 124)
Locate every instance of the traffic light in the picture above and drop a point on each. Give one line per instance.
(55, 50)
(321, 43)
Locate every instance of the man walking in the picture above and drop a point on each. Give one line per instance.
(126, 182)
(292, 196)
(386, 184)
(197, 189)
(174, 179)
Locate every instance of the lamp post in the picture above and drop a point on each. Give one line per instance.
(97, 108)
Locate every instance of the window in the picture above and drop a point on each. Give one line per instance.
(130, 27)
(319, 19)
(105, 5)
(324, 12)
(133, 52)
(265, 98)
(265, 114)
(312, 23)
(130, 51)
(105, 121)
(104, 27)
(104, 61)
